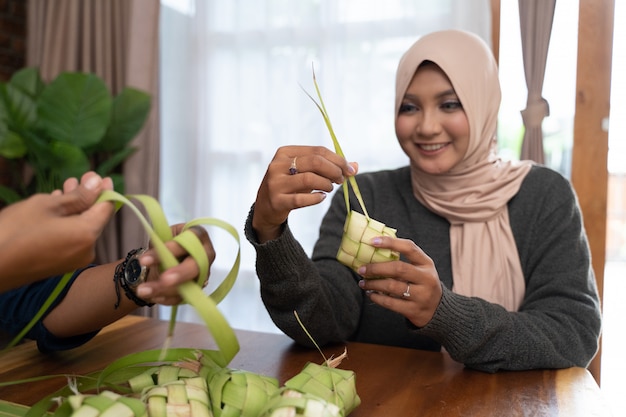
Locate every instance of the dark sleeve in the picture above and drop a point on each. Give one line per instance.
(19, 306)
(323, 293)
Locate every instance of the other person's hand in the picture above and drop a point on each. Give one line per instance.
(50, 234)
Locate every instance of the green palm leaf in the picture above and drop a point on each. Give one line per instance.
(129, 112)
(75, 108)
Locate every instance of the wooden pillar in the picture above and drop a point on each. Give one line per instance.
(495, 29)
(590, 148)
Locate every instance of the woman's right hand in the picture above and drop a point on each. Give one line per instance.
(315, 170)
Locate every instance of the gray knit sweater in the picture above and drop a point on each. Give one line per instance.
(557, 325)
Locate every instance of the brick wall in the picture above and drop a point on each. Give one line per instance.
(12, 37)
(12, 58)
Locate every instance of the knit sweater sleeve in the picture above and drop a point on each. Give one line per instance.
(291, 283)
(559, 321)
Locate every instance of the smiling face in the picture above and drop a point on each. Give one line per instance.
(431, 126)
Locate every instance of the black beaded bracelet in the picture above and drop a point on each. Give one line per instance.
(120, 281)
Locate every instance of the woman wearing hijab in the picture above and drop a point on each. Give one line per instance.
(495, 265)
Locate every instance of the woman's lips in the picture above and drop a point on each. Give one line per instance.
(431, 147)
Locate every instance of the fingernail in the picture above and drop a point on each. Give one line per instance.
(144, 291)
(361, 270)
(93, 182)
(376, 241)
(362, 283)
(351, 169)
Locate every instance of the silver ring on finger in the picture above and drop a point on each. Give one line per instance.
(407, 293)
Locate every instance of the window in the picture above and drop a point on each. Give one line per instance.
(559, 85)
(230, 96)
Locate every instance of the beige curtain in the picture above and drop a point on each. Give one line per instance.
(536, 18)
(119, 41)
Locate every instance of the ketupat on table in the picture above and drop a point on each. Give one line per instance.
(391, 381)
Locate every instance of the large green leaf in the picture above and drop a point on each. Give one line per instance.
(59, 161)
(69, 160)
(57, 128)
(12, 145)
(39, 155)
(3, 106)
(20, 107)
(75, 108)
(107, 167)
(28, 80)
(17, 111)
(4, 129)
(129, 113)
(119, 185)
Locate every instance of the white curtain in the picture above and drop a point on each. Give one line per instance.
(231, 76)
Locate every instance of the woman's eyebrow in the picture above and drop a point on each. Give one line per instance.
(450, 92)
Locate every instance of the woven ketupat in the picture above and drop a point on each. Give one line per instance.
(292, 403)
(184, 397)
(356, 249)
(104, 404)
(160, 375)
(334, 385)
(238, 393)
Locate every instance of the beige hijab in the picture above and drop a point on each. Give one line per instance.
(473, 195)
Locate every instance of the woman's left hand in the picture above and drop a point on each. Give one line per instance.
(163, 290)
(411, 288)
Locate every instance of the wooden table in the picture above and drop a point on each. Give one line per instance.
(393, 382)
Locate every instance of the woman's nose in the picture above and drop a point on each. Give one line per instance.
(429, 124)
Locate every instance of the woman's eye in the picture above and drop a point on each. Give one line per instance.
(452, 105)
(407, 107)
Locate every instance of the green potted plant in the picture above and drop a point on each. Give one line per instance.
(62, 129)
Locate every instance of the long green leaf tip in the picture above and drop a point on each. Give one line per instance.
(295, 313)
(322, 108)
(355, 248)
